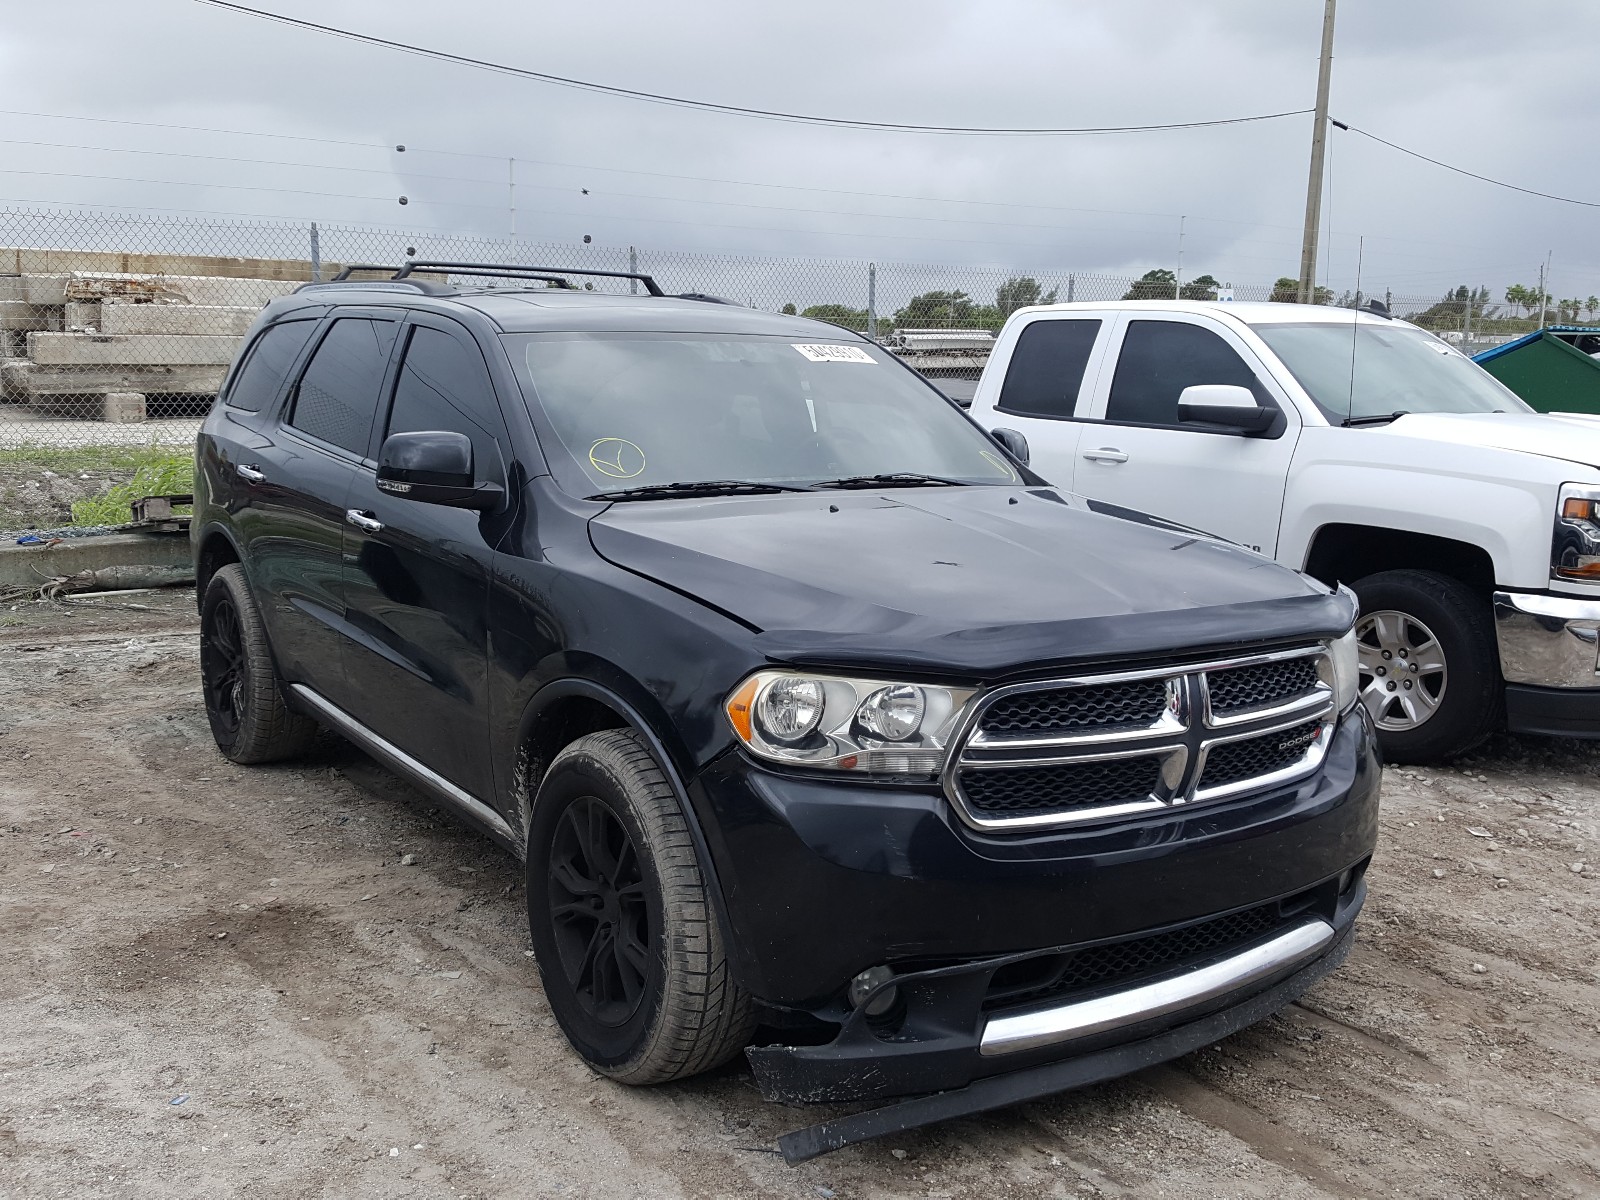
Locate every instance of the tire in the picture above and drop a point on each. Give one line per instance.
(243, 694)
(1437, 635)
(627, 942)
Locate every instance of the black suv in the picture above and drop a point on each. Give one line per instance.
(820, 722)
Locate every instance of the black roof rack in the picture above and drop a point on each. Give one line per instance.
(556, 275)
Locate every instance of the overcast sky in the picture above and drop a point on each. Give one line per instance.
(1502, 89)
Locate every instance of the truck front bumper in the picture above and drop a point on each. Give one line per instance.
(1550, 658)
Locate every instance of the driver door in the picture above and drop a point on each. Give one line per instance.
(1134, 453)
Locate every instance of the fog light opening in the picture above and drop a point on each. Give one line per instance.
(863, 985)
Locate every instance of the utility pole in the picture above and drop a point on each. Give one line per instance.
(1177, 280)
(1544, 286)
(1319, 136)
(511, 194)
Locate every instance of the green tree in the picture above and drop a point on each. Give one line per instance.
(1455, 307)
(1287, 291)
(1020, 291)
(1592, 306)
(788, 310)
(1203, 288)
(1158, 284)
(933, 310)
(839, 314)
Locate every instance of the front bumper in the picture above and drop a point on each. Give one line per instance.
(1550, 658)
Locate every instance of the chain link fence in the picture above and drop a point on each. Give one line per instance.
(116, 331)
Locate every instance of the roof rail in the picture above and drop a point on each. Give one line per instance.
(554, 275)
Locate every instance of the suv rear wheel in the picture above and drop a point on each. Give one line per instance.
(1429, 674)
(243, 695)
(624, 933)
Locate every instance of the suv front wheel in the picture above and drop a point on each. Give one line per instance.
(627, 941)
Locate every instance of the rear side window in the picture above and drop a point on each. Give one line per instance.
(1161, 358)
(1047, 368)
(338, 393)
(444, 384)
(261, 377)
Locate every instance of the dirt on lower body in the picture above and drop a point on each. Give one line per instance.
(223, 981)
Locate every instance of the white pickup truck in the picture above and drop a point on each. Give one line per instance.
(1357, 448)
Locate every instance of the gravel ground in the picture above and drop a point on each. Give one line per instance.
(223, 981)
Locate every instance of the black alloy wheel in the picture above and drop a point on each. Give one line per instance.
(223, 666)
(602, 922)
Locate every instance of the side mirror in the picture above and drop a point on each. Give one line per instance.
(1224, 405)
(433, 467)
(1015, 444)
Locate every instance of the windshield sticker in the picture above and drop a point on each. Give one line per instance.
(830, 353)
(1002, 464)
(617, 457)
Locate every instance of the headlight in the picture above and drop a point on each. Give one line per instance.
(1344, 670)
(846, 724)
(1575, 548)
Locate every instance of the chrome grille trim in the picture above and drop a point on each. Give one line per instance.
(1183, 736)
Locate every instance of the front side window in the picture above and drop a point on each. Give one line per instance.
(1161, 358)
(261, 377)
(338, 393)
(637, 409)
(1046, 368)
(1372, 370)
(444, 384)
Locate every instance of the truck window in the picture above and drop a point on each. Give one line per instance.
(444, 384)
(262, 375)
(1161, 358)
(1046, 368)
(338, 393)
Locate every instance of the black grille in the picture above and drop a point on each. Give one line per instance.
(1234, 761)
(1239, 688)
(1124, 962)
(1024, 791)
(1136, 702)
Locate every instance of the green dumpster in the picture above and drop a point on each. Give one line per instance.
(1552, 370)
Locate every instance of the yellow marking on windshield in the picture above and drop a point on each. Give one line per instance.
(617, 457)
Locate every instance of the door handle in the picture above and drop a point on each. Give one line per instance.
(1108, 454)
(365, 522)
(249, 474)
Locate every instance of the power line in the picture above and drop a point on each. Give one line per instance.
(1463, 171)
(731, 109)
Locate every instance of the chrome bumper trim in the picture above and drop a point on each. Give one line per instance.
(1014, 1032)
(1548, 641)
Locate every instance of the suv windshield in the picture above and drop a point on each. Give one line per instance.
(633, 410)
(1398, 369)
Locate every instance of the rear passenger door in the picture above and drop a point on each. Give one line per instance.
(298, 480)
(1137, 454)
(417, 575)
(1050, 372)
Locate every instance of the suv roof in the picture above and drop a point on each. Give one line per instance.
(549, 302)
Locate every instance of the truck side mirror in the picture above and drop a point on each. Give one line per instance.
(1015, 444)
(1226, 406)
(433, 467)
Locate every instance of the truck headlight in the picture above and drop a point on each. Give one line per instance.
(1575, 546)
(1344, 668)
(846, 724)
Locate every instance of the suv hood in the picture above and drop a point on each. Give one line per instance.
(1571, 437)
(981, 580)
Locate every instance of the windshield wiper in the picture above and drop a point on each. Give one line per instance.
(893, 479)
(1380, 419)
(704, 487)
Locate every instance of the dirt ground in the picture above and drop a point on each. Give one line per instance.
(223, 981)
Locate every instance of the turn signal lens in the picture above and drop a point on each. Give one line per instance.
(739, 705)
(1574, 509)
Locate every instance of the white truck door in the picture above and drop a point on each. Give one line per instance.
(1051, 361)
(1135, 454)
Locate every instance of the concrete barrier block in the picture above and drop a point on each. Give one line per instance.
(28, 379)
(19, 314)
(29, 566)
(212, 319)
(122, 408)
(79, 314)
(163, 349)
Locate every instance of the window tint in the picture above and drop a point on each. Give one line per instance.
(338, 393)
(261, 377)
(1047, 368)
(444, 385)
(1161, 358)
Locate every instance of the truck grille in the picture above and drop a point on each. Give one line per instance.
(1063, 787)
(1123, 963)
(1091, 706)
(1263, 685)
(1117, 744)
